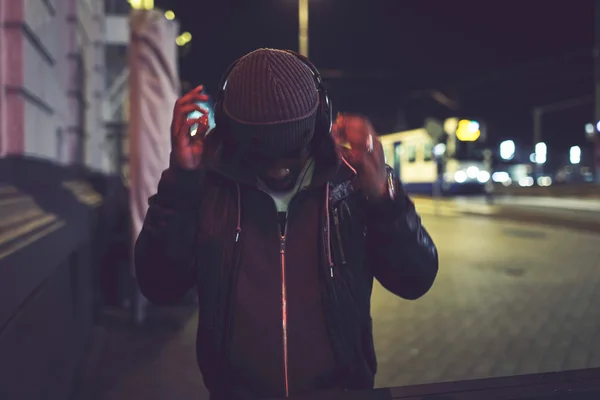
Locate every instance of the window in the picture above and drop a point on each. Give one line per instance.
(428, 152)
(117, 7)
(411, 152)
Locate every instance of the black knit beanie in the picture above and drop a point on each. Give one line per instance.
(271, 103)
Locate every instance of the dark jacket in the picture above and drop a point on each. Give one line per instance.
(203, 227)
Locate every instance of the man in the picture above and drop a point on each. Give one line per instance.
(282, 233)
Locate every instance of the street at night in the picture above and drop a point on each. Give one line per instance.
(154, 152)
(510, 299)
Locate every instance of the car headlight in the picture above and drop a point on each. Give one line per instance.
(460, 176)
(483, 176)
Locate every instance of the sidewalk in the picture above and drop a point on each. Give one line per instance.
(567, 203)
(578, 214)
(153, 362)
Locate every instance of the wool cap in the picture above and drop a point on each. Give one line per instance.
(271, 102)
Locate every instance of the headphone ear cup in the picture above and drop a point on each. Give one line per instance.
(218, 110)
(324, 114)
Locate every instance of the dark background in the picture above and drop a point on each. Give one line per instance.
(498, 59)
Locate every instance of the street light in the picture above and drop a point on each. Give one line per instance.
(589, 129)
(170, 15)
(183, 39)
(303, 27)
(507, 150)
(468, 131)
(541, 151)
(575, 155)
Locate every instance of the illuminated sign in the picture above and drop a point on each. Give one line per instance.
(468, 131)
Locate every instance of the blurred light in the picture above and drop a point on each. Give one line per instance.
(589, 129)
(507, 149)
(575, 155)
(460, 176)
(540, 153)
(439, 149)
(598, 126)
(141, 4)
(507, 182)
(500, 176)
(450, 126)
(532, 157)
(467, 131)
(483, 176)
(526, 181)
(183, 39)
(472, 172)
(170, 15)
(544, 181)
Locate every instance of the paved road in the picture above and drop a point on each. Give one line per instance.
(510, 299)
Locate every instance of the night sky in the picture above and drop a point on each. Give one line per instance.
(498, 59)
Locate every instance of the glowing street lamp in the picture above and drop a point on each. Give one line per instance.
(468, 131)
(170, 15)
(183, 39)
(541, 151)
(575, 155)
(507, 150)
(303, 27)
(589, 128)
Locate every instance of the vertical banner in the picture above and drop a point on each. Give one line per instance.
(154, 87)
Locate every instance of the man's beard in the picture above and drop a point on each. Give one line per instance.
(283, 180)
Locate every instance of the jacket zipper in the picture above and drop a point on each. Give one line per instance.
(282, 239)
(336, 220)
(284, 312)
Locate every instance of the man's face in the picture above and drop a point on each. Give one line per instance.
(279, 174)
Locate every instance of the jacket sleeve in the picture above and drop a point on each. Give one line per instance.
(164, 253)
(402, 255)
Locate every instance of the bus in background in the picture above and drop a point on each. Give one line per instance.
(452, 158)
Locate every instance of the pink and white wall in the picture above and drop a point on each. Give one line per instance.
(52, 80)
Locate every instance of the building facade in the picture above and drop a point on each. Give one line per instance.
(52, 83)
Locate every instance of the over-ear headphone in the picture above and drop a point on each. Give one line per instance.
(324, 111)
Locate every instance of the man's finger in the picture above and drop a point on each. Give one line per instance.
(189, 98)
(376, 147)
(184, 135)
(357, 130)
(356, 158)
(202, 125)
(192, 95)
(190, 108)
(183, 113)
